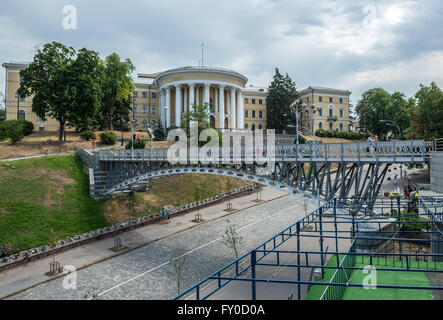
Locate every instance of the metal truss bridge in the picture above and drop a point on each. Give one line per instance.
(322, 171)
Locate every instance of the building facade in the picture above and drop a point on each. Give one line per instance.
(168, 95)
(330, 111)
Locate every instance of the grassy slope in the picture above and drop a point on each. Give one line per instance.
(52, 193)
(173, 190)
(383, 278)
(45, 194)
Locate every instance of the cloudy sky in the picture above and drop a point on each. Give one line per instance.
(353, 45)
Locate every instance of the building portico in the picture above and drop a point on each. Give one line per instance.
(221, 89)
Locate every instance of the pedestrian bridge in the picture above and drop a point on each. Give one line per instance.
(324, 171)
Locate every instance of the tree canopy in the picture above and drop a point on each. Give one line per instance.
(281, 93)
(419, 117)
(118, 87)
(66, 85)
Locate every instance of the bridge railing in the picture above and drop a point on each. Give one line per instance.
(410, 151)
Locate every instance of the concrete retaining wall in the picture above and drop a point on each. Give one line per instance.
(437, 171)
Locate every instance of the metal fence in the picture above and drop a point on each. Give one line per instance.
(395, 245)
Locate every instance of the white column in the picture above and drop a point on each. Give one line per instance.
(185, 107)
(216, 99)
(168, 104)
(191, 96)
(161, 107)
(178, 105)
(206, 98)
(241, 112)
(221, 122)
(232, 108)
(197, 95)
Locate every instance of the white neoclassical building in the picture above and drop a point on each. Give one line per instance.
(221, 88)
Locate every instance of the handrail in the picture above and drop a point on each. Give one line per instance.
(405, 151)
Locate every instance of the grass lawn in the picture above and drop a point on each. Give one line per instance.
(46, 194)
(383, 278)
(52, 193)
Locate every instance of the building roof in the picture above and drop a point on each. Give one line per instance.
(15, 64)
(324, 89)
(255, 89)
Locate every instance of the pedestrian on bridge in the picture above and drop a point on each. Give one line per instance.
(395, 179)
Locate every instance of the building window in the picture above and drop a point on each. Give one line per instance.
(341, 113)
(145, 109)
(21, 78)
(153, 108)
(135, 108)
(41, 129)
(136, 94)
(320, 99)
(135, 123)
(21, 115)
(260, 101)
(341, 100)
(154, 95)
(307, 99)
(253, 126)
(320, 125)
(308, 125)
(320, 112)
(260, 126)
(246, 126)
(144, 124)
(246, 100)
(145, 94)
(246, 113)
(330, 112)
(260, 114)
(307, 113)
(253, 113)
(341, 126)
(253, 101)
(330, 99)
(330, 126)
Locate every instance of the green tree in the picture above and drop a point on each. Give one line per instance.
(85, 77)
(46, 79)
(66, 86)
(200, 114)
(427, 117)
(159, 132)
(373, 107)
(118, 87)
(281, 93)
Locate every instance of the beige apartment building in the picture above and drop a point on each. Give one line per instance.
(166, 96)
(326, 108)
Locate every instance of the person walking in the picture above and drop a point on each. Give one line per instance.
(395, 179)
(94, 144)
(168, 215)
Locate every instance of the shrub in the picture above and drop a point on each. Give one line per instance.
(88, 135)
(27, 127)
(137, 144)
(15, 133)
(108, 138)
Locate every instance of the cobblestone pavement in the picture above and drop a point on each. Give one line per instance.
(143, 273)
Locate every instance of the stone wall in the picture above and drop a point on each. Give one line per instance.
(437, 171)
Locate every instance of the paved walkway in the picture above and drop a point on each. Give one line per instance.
(32, 274)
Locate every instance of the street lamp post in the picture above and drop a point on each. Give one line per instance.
(133, 124)
(393, 124)
(295, 106)
(18, 104)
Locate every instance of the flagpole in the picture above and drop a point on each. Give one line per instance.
(202, 55)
